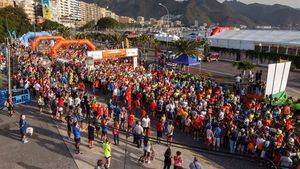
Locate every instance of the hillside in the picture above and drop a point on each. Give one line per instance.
(207, 11)
(276, 15)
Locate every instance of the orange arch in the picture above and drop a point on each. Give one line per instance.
(36, 40)
(61, 43)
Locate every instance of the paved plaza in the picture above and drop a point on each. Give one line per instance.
(49, 148)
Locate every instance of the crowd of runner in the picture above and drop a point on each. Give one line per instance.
(162, 101)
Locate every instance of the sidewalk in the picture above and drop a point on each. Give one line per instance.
(89, 157)
(45, 149)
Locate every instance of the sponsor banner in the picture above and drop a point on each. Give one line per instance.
(116, 53)
(277, 77)
(95, 54)
(46, 9)
(131, 52)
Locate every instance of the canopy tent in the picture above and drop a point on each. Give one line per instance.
(164, 37)
(185, 59)
(30, 35)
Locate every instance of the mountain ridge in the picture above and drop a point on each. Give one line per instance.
(208, 11)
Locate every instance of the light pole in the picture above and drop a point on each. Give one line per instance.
(168, 20)
(7, 52)
(260, 50)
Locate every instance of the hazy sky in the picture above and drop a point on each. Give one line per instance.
(292, 3)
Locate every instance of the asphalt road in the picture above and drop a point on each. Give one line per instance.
(226, 69)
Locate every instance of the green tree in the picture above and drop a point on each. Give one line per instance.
(188, 47)
(88, 26)
(107, 23)
(13, 19)
(117, 40)
(244, 65)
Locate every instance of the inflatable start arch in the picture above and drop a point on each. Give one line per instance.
(62, 43)
(25, 38)
(36, 40)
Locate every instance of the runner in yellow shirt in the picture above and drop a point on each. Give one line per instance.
(106, 152)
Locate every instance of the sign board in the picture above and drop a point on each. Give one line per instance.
(112, 54)
(277, 77)
(46, 9)
(116, 53)
(132, 52)
(95, 54)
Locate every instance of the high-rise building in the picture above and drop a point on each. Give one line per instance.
(90, 12)
(68, 12)
(177, 23)
(29, 8)
(153, 21)
(140, 20)
(126, 19)
(112, 15)
(5, 3)
(54, 8)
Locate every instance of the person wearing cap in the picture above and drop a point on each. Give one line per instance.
(195, 164)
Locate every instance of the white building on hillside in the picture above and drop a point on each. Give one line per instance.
(68, 12)
(28, 6)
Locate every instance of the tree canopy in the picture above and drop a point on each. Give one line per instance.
(89, 25)
(106, 23)
(244, 65)
(13, 19)
(188, 47)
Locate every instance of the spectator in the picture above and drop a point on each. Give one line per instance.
(195, 164)
(23, 128)
(116, 131)
(138, 132)
(168, 159)
(178, 161)
(76, 133)
(91, 135)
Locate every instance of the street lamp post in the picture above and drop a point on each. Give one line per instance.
(260, 50)
(7, 51)
(168, 20)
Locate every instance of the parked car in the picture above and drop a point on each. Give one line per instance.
(212, 56)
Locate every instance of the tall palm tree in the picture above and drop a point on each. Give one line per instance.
(188, 47)
(145, 40)
(155, 43)
(117, 40)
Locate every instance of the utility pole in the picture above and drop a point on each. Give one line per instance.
(8, 66)
(168, 22)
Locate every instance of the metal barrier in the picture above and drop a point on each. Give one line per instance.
(19, 96)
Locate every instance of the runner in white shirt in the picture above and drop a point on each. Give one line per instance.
(77, 101)
(37, 86)
(146, 123)
(70, 101)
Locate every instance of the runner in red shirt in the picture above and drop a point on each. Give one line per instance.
(130, 121)
(159, 130)
(152, 107)
(81, 86)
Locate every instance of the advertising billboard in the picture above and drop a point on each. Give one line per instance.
(277, 77)
(46, 9)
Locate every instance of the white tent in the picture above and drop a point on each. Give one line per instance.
(166, 37)
(247, 39)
